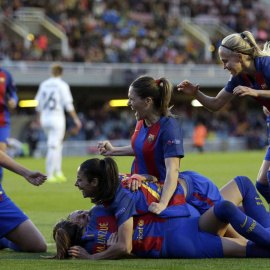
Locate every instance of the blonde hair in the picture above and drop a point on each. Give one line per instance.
(245, 43)
(57, 69)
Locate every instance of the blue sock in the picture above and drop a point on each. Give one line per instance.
(255, 251)
(5, 243)
(268, 177)
(264, 190)
(252, 203)
(227, 212)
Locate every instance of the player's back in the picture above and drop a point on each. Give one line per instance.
(52, 96)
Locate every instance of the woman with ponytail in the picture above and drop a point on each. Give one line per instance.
(66, 234)
(157, 142)
(249, 67)
(194, 236)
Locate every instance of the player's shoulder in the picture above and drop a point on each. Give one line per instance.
(262, 63)
(5, 71)
(169, 122)
(62, 84)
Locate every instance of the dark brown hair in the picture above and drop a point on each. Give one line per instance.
(106, 171)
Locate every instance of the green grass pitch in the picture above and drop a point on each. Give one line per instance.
(47, 204)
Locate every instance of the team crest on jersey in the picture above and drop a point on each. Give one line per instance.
(151, 138)
(265, 86)
(141, 222)
(2, 80)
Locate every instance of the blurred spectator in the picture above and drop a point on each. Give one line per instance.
(199, 135)
(32, 137)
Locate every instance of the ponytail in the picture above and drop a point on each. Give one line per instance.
(66, 234)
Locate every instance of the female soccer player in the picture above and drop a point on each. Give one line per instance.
(17, 231)
(194, 236)
(157, 142)
(249, 67)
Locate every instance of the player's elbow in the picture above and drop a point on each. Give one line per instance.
(125, 249)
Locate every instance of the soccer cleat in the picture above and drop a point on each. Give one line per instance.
(60, 178)
(51, 180)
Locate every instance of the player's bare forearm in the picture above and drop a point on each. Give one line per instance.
(10, 164)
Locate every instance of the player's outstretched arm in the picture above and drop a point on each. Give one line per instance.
(106, 149)
(33, 177)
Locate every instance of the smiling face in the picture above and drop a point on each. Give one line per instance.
(138, 104)
(88, 189)
(231, 62)
(81, 217)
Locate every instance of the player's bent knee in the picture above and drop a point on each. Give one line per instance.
(223, 210)
(27, 237)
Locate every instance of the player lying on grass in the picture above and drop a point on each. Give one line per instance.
(17, 231)
(99, 178)
(85, 236)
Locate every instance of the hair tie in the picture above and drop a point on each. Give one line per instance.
(229, 48)
(233, 50)
(242, 35)
(158, 81)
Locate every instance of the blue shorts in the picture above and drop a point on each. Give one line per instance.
(4, 134)
(11, 215)
(202, 193)
(267, 155)
(183, 239)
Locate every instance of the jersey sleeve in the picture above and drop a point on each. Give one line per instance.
(263, 65)
(172, 137)
(37, 98)
(232, 83)
(123, 206)
(67, 97)
(11, 88)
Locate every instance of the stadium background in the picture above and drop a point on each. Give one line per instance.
(172, 39)
(104, 45)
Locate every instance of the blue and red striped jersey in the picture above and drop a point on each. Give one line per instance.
(152, 145)
(262, 80)
(148, 235)
(7, 90)
(127, 203)
(147, 238)
(101, 224)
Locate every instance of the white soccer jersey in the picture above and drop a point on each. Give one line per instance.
(53, 98)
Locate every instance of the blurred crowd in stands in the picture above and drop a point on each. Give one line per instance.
(147, 31)
(117, 124)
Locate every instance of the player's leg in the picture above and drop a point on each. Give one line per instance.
(16, 230)
(263, 178)
(52, 153)
(50, 163)
(225, 212)
(241, 190)
(27, 237)
(243, 248)
(58, 138)
(5, 243)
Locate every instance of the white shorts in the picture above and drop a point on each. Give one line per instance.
(54, 130)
